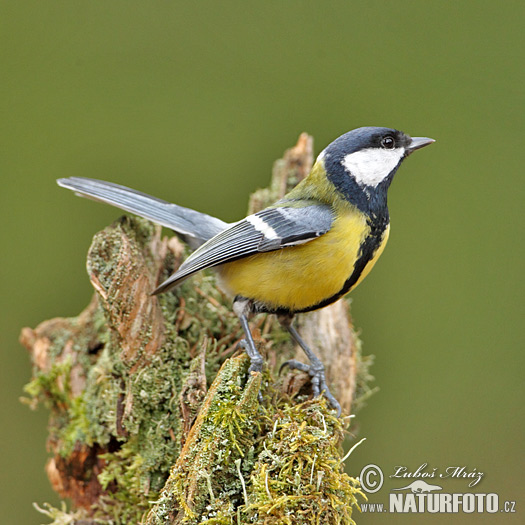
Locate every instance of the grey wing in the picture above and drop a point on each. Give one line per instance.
(268, 230)
(194, 226)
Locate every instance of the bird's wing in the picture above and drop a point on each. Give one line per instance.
(268, 230)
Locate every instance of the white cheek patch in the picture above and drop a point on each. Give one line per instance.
(371, 166)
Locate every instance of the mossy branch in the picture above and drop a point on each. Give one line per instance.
(153, 419)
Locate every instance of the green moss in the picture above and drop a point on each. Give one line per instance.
(50, 388)
(77, 429)
(251, 464)
(127, 485)
(298, 477)
(204, 482)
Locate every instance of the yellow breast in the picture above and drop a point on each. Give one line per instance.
(298, 277)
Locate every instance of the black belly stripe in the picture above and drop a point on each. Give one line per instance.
(367, 252)
(368, 249)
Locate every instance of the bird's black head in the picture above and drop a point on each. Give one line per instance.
(362, 163)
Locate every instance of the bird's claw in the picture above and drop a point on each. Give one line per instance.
(295, 365)
(318, 381)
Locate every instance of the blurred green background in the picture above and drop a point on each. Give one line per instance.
(193, 101)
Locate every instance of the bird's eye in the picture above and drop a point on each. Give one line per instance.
(388, 143)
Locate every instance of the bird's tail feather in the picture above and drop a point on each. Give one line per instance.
(195, 227)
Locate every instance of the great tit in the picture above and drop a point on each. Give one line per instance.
(302, 253)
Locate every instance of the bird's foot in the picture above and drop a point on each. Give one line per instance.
(319, 386)
(256, 361)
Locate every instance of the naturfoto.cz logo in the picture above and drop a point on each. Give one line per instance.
(420, 496)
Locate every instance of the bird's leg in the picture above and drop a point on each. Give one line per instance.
(315, 369)
(242, 308)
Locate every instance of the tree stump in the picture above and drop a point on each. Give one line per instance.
(153, 418)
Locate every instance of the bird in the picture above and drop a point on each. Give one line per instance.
(301, 253)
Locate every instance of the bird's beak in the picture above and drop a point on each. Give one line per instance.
(417, 143)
